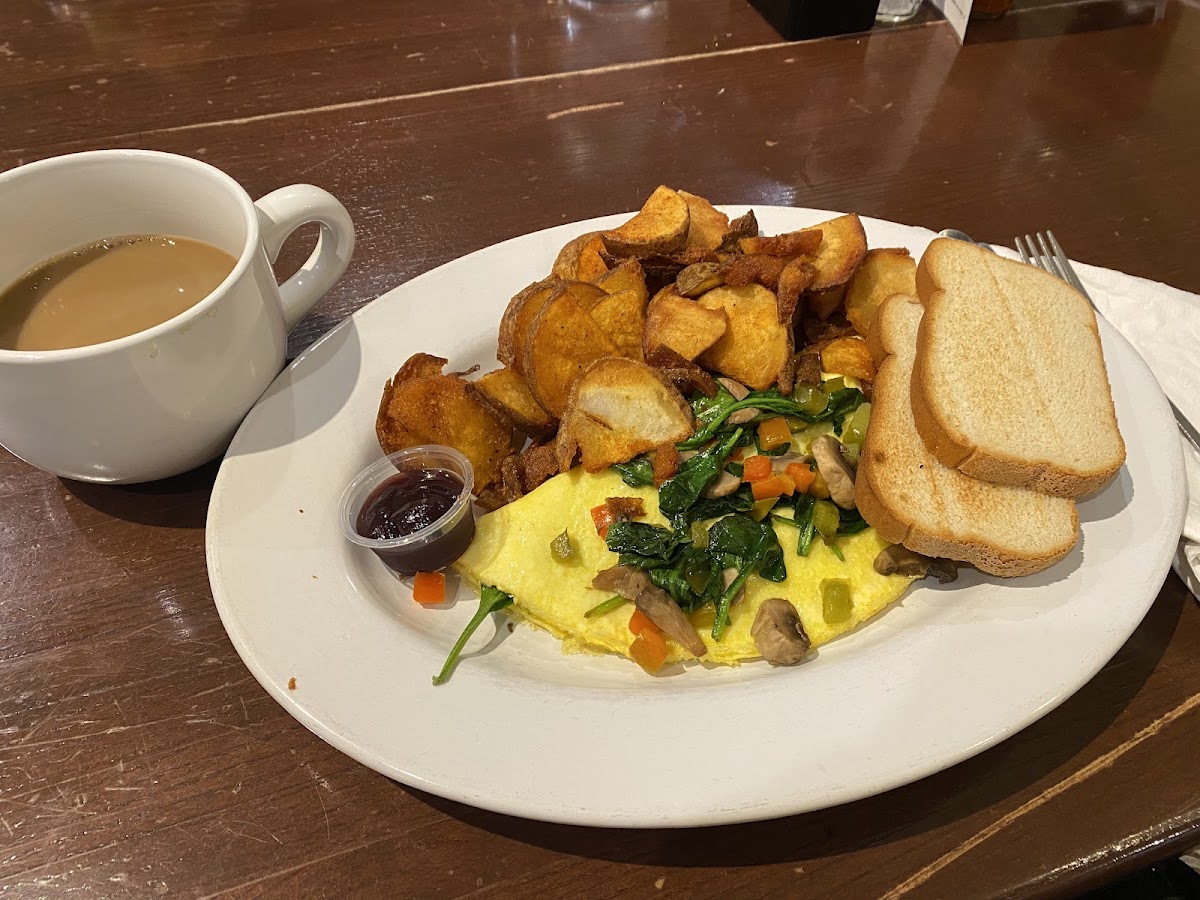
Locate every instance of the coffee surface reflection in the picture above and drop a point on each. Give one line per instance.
(108, 289)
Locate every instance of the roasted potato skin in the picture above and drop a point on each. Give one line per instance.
(579, 259)
(522, 309)
(562, 342)
(661, 226)
(756, 347)
(506, 392)
(681, 325)
(618, 409)
(422, 406)
(884, 271)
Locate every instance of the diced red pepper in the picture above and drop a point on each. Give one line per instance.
(649, 650)
(756, 468)
(775, 486)
(802, 474)
(640, 623)
(429, 588)
(603, 516)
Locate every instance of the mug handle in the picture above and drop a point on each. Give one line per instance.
(283, 211)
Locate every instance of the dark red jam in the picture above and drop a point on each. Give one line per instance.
(411, 501)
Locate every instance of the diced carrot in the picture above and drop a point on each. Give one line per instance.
(649, 650)
(774, 433)
(640, 623)
(775, 486)
(802, 474)
(429, 588)
(756, 468)
(602, 516)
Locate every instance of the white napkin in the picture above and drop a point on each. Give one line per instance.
(1163, 324)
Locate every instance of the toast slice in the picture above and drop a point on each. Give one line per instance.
(1009, 384)
(911, 498)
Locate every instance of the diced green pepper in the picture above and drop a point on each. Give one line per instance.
(561, 549)
(836, 605)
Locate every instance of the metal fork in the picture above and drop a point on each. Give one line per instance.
(1048, 255)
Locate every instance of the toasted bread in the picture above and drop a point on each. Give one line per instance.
(911, 498)
(1009, 384)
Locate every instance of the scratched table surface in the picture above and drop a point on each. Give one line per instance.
(138, 757)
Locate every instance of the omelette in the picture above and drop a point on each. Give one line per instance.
(512, 551)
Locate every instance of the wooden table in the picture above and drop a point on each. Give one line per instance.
(137, 755)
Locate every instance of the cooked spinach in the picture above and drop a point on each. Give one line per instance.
(740, 543)
(638, 472)
(713, 411)
(678, 495)
(642, 545)
(491, 599)
(850, 521)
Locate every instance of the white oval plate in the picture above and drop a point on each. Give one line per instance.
(526, 730)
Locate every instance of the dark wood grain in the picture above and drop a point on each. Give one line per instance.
(78, 65)
(137, 755)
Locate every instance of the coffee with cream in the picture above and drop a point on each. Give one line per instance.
(108, 289)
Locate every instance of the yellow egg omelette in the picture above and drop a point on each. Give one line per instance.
(512, 551)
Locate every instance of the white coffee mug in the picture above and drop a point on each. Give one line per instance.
(163, 400)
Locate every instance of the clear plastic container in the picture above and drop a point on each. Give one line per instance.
(433, 546)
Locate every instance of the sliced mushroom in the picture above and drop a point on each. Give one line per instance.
(899, 560)
(723, 485)
(743, 416)
(778, 634)
(664, 612)
(621, 580)
(739, 390)
(780, 463)
(837, 472)
(698, 278)
(944, 570)
(655, 603)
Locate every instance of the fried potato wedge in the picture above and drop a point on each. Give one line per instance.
(519, 315)
(698, 278)
(562, 341)
(508, 394)
(756, 346)
(707, 225)
(848, 356)
(660, 227)
(824, 304)
(622, 316)
(628, 276)
(422, 406)
(794, 243)
(617, 409)
(681, 325)
(883, 272)
(585, 293)
(579, 259)
(842, 248)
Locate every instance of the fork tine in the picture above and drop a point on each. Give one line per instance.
(1034, 257)
(1064, 263)
(1053, 266)
(1020, 244)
